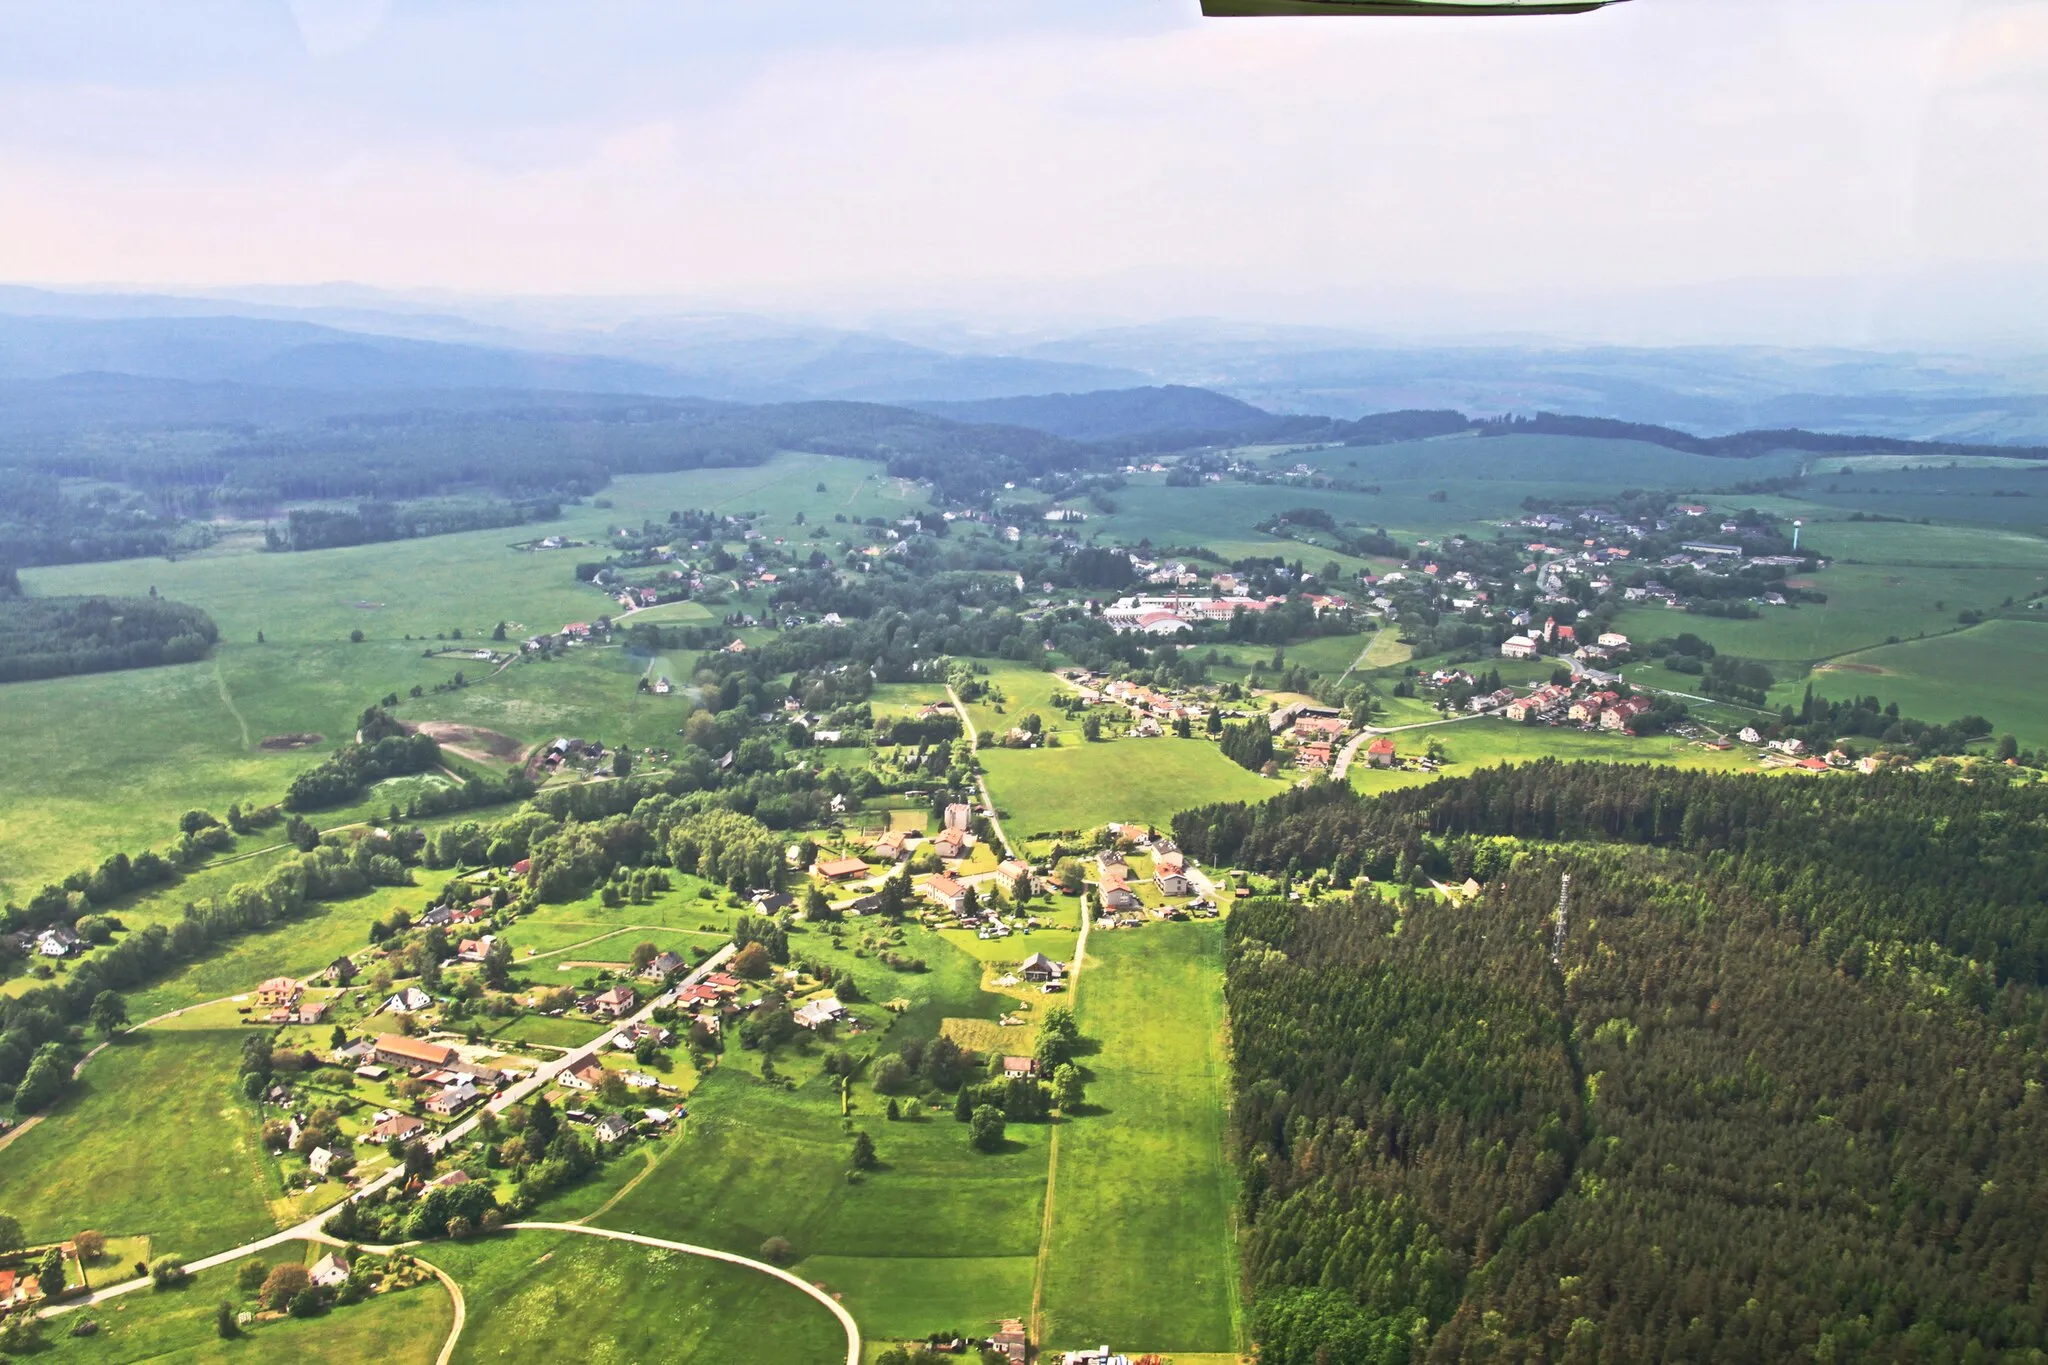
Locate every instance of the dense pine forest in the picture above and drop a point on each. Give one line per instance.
(48, 637)
(1774, 1094)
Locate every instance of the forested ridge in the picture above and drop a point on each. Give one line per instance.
(1762, 1106)
(48, 637)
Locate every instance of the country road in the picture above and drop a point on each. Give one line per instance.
(981, 780)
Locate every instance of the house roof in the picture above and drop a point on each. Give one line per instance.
(1382, 745)
(415, 1049)
(943, 885)
(842, 867)
(1013, 868)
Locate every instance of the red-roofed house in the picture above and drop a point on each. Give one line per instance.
(1380, 752)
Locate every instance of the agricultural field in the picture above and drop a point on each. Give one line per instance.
(153, 1139)
(1994, 670)
(628, 1304)
(406, 1327)
(1141, 1245)
(1079, 786)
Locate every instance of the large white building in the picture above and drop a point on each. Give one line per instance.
(1518, 647)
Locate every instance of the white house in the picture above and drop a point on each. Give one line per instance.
(1518, 647)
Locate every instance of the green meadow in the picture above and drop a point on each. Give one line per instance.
(153, 1139)
(1488, 741)
(1994, 670)
(406, 1327)
(623, 1304)
(941, 1236)
(1142, 1247)
(1081, 785)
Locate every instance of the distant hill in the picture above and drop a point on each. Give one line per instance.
(1112, 414)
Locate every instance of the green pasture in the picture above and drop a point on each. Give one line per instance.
(941, 1236)
(1142, 1252)
(1489, 741)
(625, 1304)
(1023, 689)
(1934, 546)
(153, 1138)
(1080, 785)
(406, 1327)
(1867, 605)
(1994, 670)
(298, 947)
(1329, 655)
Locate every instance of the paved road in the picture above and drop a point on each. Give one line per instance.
(310, 1230)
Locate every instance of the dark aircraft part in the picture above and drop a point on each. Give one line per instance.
(1220, 9)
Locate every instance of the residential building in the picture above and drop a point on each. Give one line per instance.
(453, 1100)
(329, 1272)
(1172, 883)
(664, 966)
(950, 843)
(1015, 877)
(404, 1127)
(1618, 716)
(960, 816)
(613, 1128)
(948, 892)
(617, 1001)
(820, 1012)
(892, 847)
(839, 869)
(1380, 752)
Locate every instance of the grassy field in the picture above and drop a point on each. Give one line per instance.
(1867, 605)
(1485, 742)
(1142, 1251)
(403, 1328)
(1993, 670)
(625, 1304)
(1023, 689)
(119, 755)
(1078, 786)
(152, 1139)
(940, 1237)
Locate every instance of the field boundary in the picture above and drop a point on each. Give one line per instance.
(1052, 1154)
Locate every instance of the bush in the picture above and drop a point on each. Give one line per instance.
(167, 1272)
(284, 1283)
(305, 1304)
(777, 1251)
(985, 1127)
(249, 1278)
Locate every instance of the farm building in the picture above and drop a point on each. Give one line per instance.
(839, 869)
(412, 1054)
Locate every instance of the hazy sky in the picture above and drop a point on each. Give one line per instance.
(1847, 170)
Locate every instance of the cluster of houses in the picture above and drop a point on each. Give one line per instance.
(460, 1082)
(284, 1001)
(712, 1001)
(1317, 731)
(1557, 704)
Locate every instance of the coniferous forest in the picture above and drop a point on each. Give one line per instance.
(1774, 1093)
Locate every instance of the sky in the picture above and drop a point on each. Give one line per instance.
(1795, 171)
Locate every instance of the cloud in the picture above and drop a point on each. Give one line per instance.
(1122, 158)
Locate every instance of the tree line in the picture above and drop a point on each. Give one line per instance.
(51, 637)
